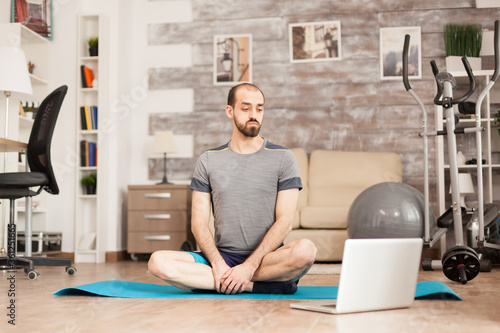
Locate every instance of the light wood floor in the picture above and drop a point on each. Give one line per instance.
(38, 311)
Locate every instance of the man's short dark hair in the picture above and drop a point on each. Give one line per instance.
(231, 96)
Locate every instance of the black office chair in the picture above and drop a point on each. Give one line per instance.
(15, 185)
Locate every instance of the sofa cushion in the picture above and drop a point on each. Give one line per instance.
(296, 221)
(330, 243)
(323, 218)
(336, 178)
(303, 163)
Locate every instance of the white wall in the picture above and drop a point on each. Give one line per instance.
(61, 208)
(146, 56)
(4, 11)
(135, 101)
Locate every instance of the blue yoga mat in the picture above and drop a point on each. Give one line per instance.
(128, 289)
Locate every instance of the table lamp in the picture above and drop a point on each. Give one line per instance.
(164, 143)
(466, 187)
(14, 77)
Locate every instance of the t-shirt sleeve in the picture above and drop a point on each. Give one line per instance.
(289, 176)
(200, 181)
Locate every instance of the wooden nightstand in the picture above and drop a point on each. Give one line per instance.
(159, 218)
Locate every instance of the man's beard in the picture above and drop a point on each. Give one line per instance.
(250, 132)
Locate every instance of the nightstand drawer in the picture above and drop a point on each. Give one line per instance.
(164, 199)
(148, 242)
(157, 221)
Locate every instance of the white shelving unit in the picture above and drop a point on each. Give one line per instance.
(91, 208)
(37, 51)
(466, 143)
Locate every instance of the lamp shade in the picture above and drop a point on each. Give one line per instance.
(466, 185)
(14, 75)
(164, 142)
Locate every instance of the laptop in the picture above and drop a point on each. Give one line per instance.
(377, 274)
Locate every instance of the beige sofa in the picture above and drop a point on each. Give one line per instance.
(332, 180)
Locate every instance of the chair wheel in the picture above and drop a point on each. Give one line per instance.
(461, 264)
(33, 275)
(70, 270)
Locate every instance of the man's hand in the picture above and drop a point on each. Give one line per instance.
(219, 269)
(236, 279)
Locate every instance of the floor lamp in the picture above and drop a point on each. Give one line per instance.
(164, 143)
(14, 78)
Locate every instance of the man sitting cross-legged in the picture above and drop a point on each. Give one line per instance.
(252, 186)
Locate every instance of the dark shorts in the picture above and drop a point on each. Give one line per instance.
(231, 259)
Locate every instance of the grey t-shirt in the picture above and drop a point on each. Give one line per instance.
(244, 189)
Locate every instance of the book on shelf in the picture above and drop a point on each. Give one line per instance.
(88, 154)
(87, 75)
(88, 116)
(94, 116)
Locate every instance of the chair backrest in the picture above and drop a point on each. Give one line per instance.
(41, 137)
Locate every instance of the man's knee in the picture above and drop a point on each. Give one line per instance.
(159, 264)
(304, 253)
(154, 262)
(165, 264)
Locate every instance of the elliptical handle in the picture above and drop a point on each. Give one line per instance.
(434, 67)
(472, 82)
(435, 71)
(497, 51)
(405, 63)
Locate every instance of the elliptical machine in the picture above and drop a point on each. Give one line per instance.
(483, 238)
(460, 263)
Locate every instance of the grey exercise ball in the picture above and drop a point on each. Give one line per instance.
(388, 210)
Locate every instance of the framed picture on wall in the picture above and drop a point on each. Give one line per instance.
(232, 59)
(391, 53)
(315, 41)
(34, 14)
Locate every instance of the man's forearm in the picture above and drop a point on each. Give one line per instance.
(271, 242)
(206, 242)
(200, 220)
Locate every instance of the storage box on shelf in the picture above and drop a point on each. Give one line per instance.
(42, 242)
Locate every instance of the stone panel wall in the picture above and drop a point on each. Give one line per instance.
(341, 105)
